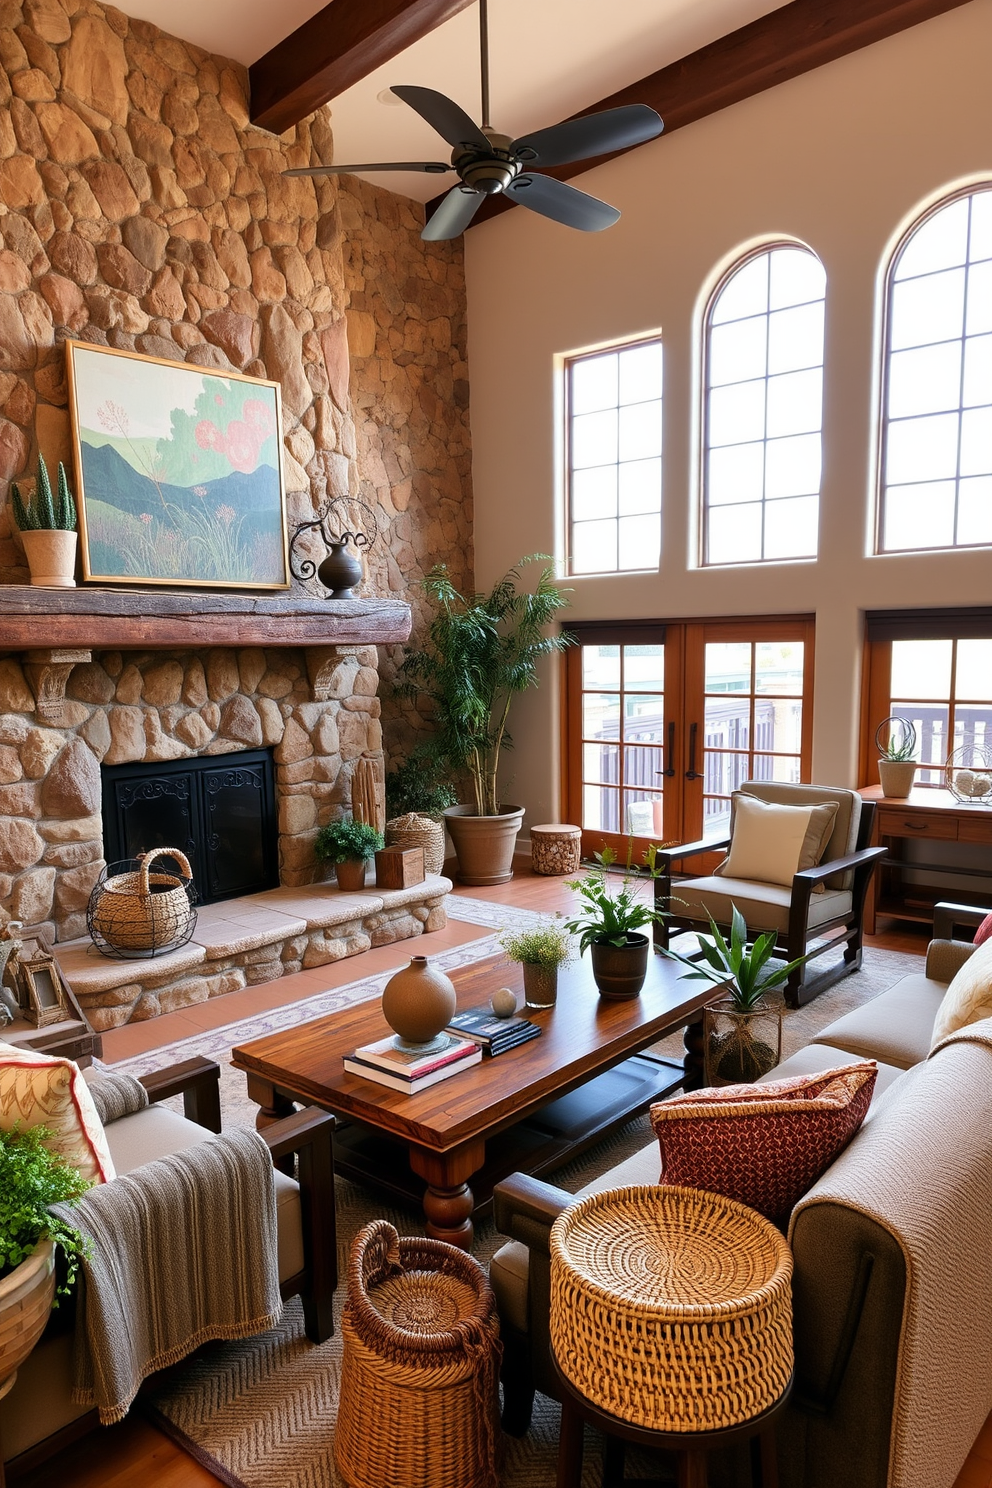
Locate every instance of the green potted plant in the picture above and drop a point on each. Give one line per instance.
(540, 951)
(895, 739)
(32, 1178)
(481, 650)
(47, 526)
(347, 846)
(742, 1034)
(610, 923)
(417, 786)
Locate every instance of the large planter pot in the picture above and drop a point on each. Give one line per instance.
(25, 1302)
(619, 971)
(51, 558)
(484, 844)
(738, 1048)
(350, 875)
(897, 776)
(418, 1002)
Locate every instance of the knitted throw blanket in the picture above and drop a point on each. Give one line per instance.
(183, 1251)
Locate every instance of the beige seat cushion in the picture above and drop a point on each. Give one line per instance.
(157, 1132)
(969, 996)
(895, 1028)
(764, 906)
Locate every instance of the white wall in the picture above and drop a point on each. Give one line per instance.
(842, 159)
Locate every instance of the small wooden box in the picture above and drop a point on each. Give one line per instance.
(399, 867)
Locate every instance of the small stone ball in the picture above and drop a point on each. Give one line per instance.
(503, 1003)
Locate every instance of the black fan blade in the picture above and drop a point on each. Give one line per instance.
(432, 167)
(562, 203)
(595, 134)
(451, 122)
(453, 215)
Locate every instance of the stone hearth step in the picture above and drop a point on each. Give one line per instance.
(241, 942)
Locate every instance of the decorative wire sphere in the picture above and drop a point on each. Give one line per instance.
(968, 775)
(895, 738)
(126, 924)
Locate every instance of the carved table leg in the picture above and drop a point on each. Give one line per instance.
(448, 1201)
(272, 1106)
(692, 1064)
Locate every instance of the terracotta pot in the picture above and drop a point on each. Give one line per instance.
(418, 1002)
(25, 1302)
(51, 558)
(619, 971)
(740, 1047)
(484, 844)
(540, 985)
(350, 875)
(897, 776)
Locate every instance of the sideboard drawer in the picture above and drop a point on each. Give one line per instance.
(895, 823)
(975, 828)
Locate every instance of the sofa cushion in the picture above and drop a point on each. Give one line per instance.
(39, 1090)
(764, 906)
(847, 823)
(157, 1131)
(772, 843)
(969, 997)
(984, 931)
(895, 1028)
(763, 1145)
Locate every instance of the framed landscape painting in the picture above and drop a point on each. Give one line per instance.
(178, 471)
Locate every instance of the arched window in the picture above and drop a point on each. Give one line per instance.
(763, 391)
(935, 487)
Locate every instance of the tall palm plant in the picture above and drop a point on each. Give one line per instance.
(482, 649)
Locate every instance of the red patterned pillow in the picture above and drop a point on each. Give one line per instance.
(984, 930)
(764, 1145)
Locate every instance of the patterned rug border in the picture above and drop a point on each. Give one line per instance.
(206, 1460)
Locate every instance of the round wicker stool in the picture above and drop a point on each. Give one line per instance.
(671, 1324)
(555, 849)
(419, 1404)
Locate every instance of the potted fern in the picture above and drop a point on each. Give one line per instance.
(611, 923)
(47, 526)
(347, 846)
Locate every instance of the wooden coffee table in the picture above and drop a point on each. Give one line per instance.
(525, 1111)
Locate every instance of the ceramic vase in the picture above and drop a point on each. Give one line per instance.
(340, 571)
(540, 985)
(897, 776)
(619, 971)
(51, 558)
(484, 844)
(417, 1003)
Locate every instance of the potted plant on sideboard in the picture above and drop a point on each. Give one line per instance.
(895, 739)
(481, 650)
(47, 526)
(610, 924)
(347, 846)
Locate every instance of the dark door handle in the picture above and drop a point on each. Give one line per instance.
(692, 773)
(671, 752)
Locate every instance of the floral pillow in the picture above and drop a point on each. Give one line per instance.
(37, 1090)
(764, 1145)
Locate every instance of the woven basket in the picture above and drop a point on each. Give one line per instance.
(419, 1398)
(144, 911)
(25, 1302)
(671, 1308)
(418, 831)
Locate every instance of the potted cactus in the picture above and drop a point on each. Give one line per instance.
(47, 526)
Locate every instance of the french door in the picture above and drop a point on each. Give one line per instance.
(664, 721)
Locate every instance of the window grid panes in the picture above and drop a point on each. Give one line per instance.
(614, 459)
(753, 710)
(763, 410)
(936, 447)
(623, 717)
(944, 688)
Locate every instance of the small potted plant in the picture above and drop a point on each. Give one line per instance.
(32, 1178)
(347, 846)
(610, 925)
(540, 951)
(47, 526)
(895, 739)
(742, 1034)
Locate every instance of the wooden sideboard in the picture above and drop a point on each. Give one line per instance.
(934, 816)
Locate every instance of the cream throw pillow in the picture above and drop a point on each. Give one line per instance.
(771, 843)
(38, 1090)
(969, 997)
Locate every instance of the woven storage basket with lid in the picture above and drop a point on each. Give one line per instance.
(418, 831)
(671, 1308)
(419, 1400)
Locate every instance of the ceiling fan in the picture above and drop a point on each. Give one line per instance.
(488, 162)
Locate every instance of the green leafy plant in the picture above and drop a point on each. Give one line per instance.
(346, 841)
(896, 739)
(547, 944)
(42, 512)
(742, 968)
(416, 785)
(482, 649)
(32, 1178)
(608, 917)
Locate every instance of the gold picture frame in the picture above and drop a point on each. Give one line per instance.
(179, 472)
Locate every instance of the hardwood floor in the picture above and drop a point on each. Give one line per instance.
(136, 1455)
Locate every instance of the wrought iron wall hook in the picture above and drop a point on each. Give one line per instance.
(340, 571)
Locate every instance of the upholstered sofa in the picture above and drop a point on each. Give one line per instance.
(38, 1416)
(893, 1261)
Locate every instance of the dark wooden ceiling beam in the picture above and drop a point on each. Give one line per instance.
(337, 47)
(781, 45)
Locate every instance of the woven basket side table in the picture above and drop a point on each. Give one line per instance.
(419, 1398)
(555, 849)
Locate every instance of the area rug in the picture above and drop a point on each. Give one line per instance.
(260, 1413)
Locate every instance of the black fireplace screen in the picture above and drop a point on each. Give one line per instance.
(220, 810)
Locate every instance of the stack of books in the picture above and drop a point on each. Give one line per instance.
(493, 1035)
(406, 1069)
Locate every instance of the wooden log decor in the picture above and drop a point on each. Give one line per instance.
(366, 798)
(555, 849)
(399, 867)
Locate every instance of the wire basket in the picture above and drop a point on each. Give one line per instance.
(134, 912)
(968, 775)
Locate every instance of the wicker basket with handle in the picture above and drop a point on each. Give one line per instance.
(142, 911)
(671, 1308)
(413, 830)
